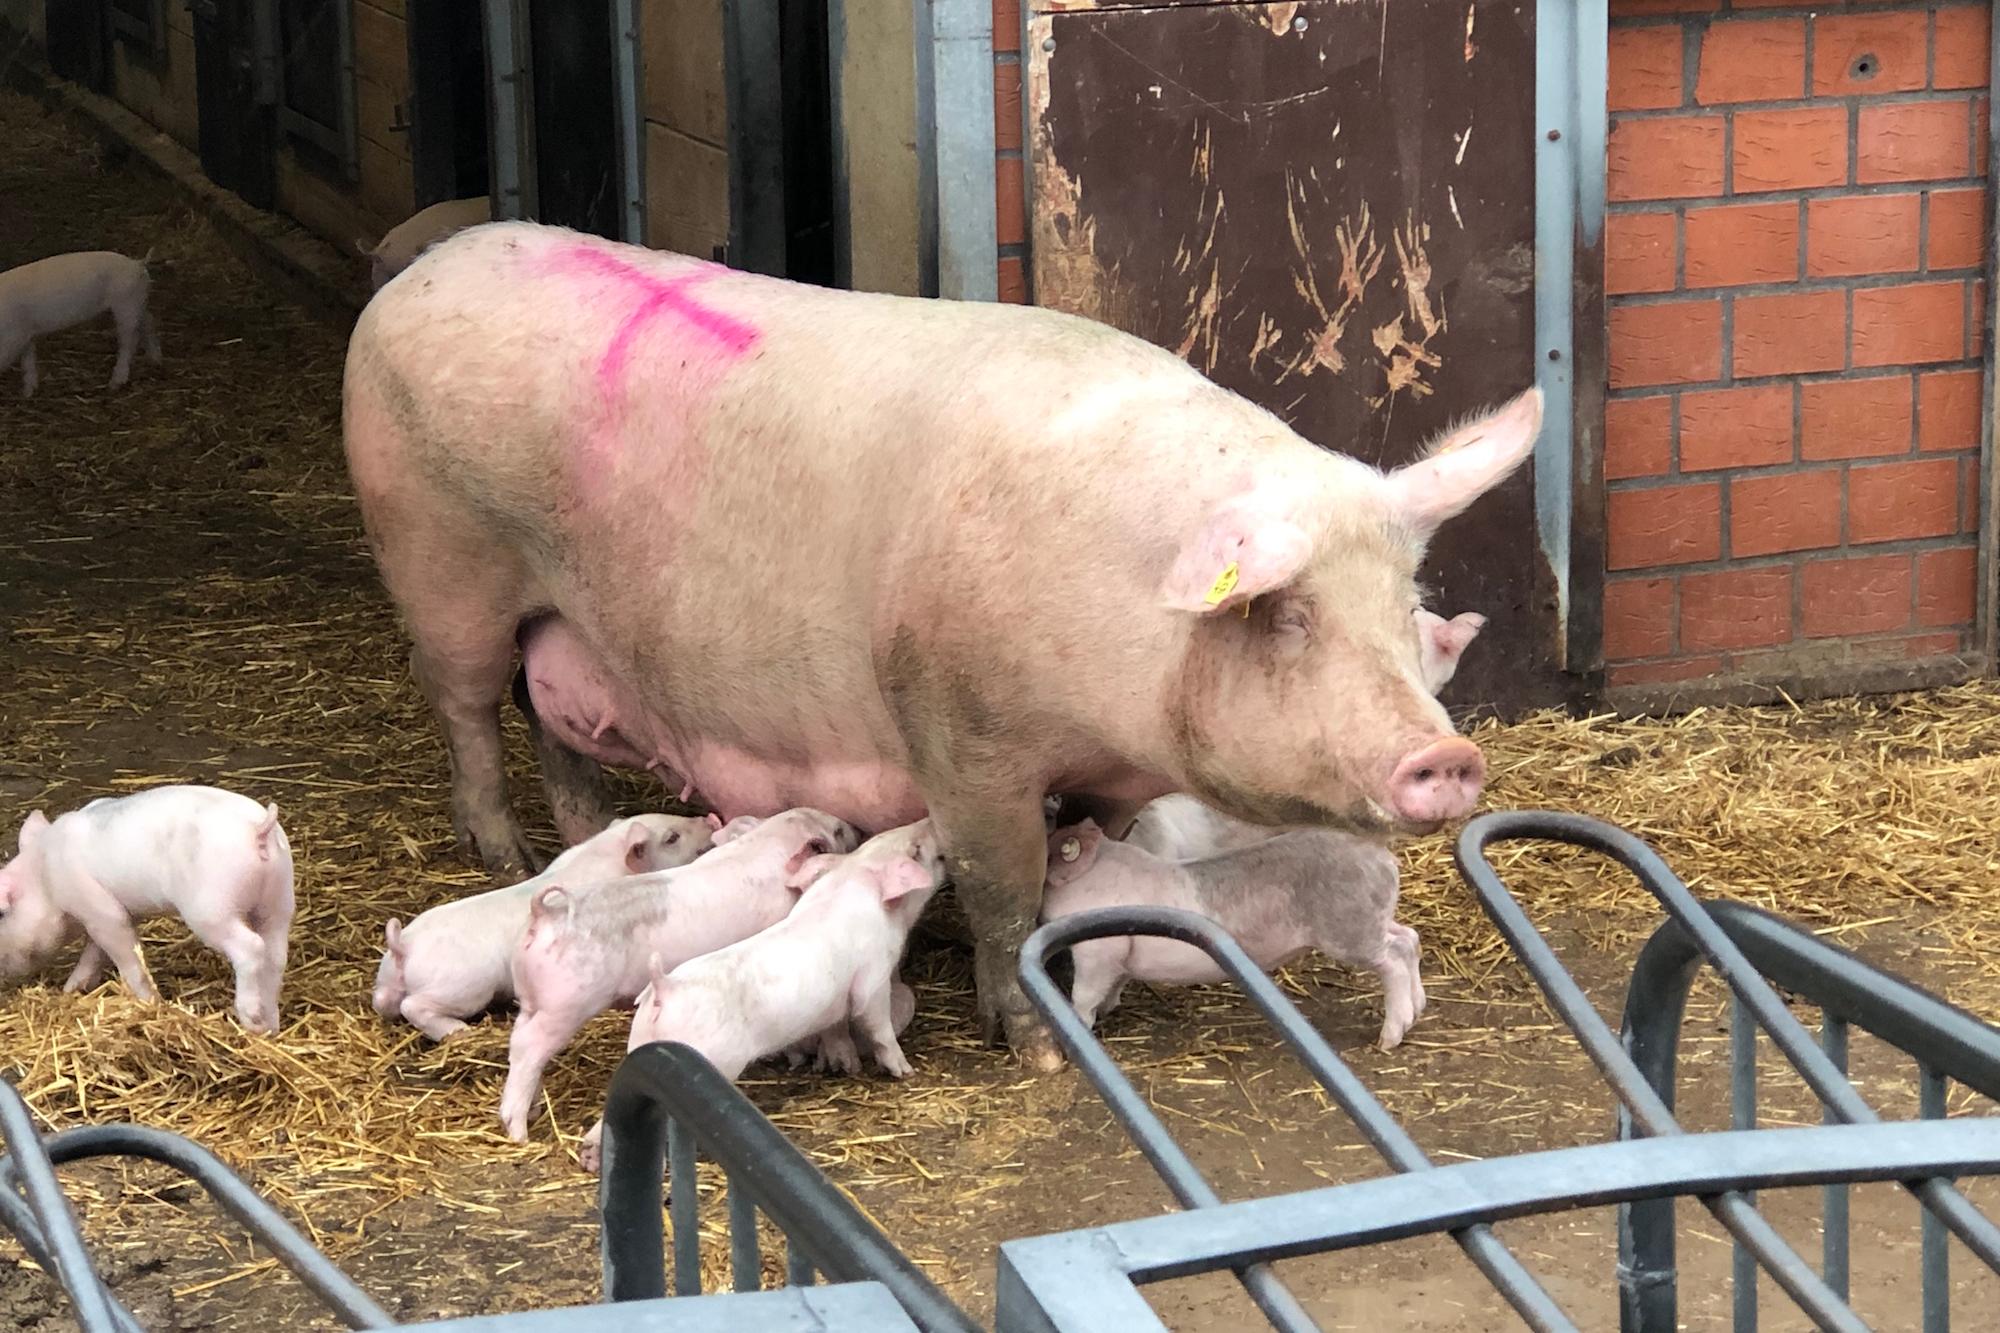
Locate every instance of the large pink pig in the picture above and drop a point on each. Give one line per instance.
(888, 556)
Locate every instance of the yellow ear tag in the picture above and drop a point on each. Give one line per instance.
(1225, 583)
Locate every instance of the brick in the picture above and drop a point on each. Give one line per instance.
(1931, 645)
(1638, 437)
(1666, 525)
(1788, 150)
(1638, 253)
(1667, 157)
(1790, 333)
(1862, 234)
(1785, 511)
(1664, 673)
(1865, 596)
(1638, 618)
(1917, 322)
(1747, 427)
(1869, 53)
(1742, 243)
(1006, 104)
(1757, 60)
(1889, 502)
(1013, 280)
(1646, 8)
(1961, 58)
(1948, 410)
(1010, 210)
(1855, 418)
(1736, 608)
(1006, 25)
(1958, 229)
(1912, 141)
(1675, 343)
(1945, 583)
(1645, 72)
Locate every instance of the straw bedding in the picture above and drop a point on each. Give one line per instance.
(185, 596)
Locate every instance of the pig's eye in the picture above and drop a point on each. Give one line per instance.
(673, 838)
(817, 847)
(1290, 617)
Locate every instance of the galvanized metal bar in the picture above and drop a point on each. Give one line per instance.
(843, 152)
(1508, 1276)
(684, 1207)
(755, 94)
(1743, 1116)
(798, 1265)
(1986, 613)
(1936, 1254)
(68, 1259)
(1655, 1001)
(509, 119)
(1834, 1223)
(955, 116)
(746, 1261)
(667, 1084)
(350, 116)
(1073, 1282)
(1557, 108)
(631, 120)
(1791, 1038)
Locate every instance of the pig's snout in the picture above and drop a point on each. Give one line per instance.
(1439, 782)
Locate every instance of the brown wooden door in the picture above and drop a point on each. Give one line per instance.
(1328, 207)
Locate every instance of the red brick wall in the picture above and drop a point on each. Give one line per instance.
(1794, 258)
(1009, 170)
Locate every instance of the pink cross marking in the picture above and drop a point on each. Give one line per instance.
(658, 297)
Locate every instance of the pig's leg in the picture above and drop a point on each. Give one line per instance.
(537, 1036)
(589, 1153)
(423, 1014)
(256, 1006)
(89, 969)
(579, 798)
(151, 333)
(28, 372)
(998, 854)
(872, 1015)
(1100, 975)
(126, 317)
(836, 1049)
(464, 681)
(120, 943)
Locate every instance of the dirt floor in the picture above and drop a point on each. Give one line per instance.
(184, 595)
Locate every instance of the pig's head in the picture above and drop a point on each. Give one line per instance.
(1442, 642)
(734, 829)
(31, 925)
(662, 842)
(904, 867)
(1072, 852)
(803, 837)
(1301, 698)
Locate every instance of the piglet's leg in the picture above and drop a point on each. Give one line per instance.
(1100, 975)
(872, 1016)
(120, 943)
(28, 372)
(422, 1013)
(89, 969)
(836, 1050)
(151, 333)
(589, 1153)
(127, 318)
(537, 1036)
(256, 1002)
(1402, 984)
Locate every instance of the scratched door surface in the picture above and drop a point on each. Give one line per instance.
(1326, 206)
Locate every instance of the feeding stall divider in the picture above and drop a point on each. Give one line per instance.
(667, 1105)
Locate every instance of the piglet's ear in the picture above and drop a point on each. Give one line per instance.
(636, 843)
(1466, 463)
(713, 820)
(32, 829)
(657, 970)
(1073, 849)
(900, 877)
(804, 868)
(1244, 549)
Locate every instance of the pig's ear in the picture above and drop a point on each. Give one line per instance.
(804, 868)
(900, 877)
(656, 969)
(32, 829)
(1468, 462)
(1073, 849)
(713, 820)
(1244, 549)
(637, 840)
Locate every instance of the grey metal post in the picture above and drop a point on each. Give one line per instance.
(1743, 1115)
(958, 227)
(755, 95)
(625, 54)
(509, 119)
(1834, 1225)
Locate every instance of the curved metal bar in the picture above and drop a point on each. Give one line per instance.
(30, 1156)
(1508, 1275)
(19, 1221)
(667, 1079)
(336, 1289)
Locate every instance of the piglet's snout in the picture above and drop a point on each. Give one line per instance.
(1439, 782)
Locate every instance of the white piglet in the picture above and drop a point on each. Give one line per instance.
(828, 970)
(1279, 897)
(453, 962)
(217, 859)
(402, 243)
(54, 293)
(584, 952)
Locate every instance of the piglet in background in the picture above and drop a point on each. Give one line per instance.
(217, 859)
(52, 294)
(584, 952)
(828, 969)
(402, 243)
(1307, 889)
(453, 962)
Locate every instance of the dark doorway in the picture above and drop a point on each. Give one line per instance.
(77, 43)
(235, 133)
(577, 178)
(447, 100)
(804, 55)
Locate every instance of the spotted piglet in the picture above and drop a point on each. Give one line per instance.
(1279, 897)
(217, 859)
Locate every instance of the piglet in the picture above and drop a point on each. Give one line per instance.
(584, 952)
(1306, 889)
(52, 294)
(830, 964)
(402, 243)
(217, 859)
(452, 962)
